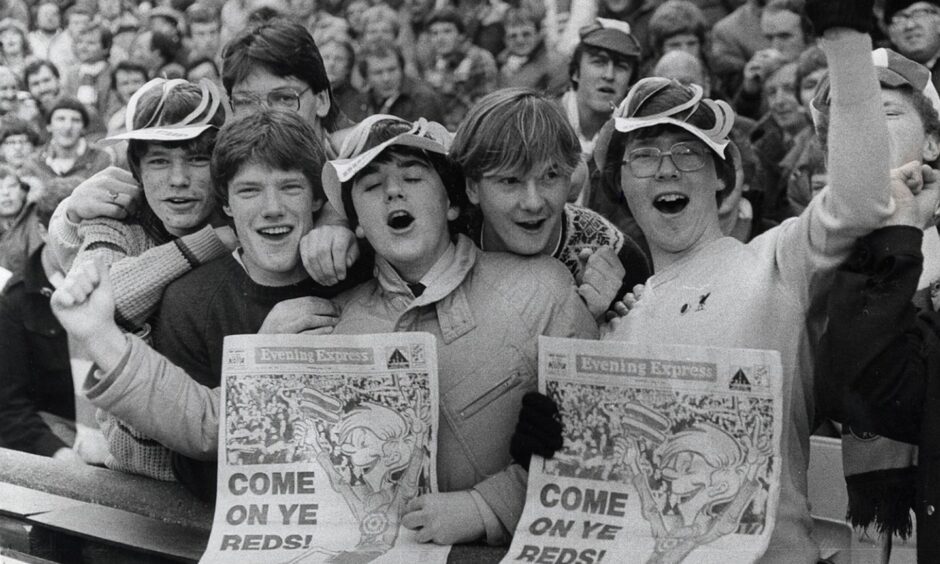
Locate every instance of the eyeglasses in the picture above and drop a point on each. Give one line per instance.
(281, 98)
(902, 18)
(644, 162)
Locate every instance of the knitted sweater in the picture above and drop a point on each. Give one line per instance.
(144, 259)
(760, 295)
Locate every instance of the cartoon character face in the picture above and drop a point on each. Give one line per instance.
(363, 448)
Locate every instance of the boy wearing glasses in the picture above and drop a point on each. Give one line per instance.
(668, 151)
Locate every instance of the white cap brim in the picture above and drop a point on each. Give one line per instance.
(338, 171)
(184, 133)
(626, 125)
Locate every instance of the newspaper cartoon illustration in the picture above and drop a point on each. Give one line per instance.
(322, 444)
(710, 478)
(665, 459)
(383, 454)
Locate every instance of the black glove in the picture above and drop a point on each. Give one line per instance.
(853, 14)
(538, 431)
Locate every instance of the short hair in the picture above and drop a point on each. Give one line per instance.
(446, 15)
(154, 109)
(36, 66)
(67, 103)
(106, 37)
(127, 66)
(379, 49)
(665, 99)
(283, 48)
(381, 13)
(10, 126)
(677, 17)
(812, 59)
(574, 65)
(516, 17)
(201, 14)
(797, 7)
(273, 138)
(515, 129)
(446, 167)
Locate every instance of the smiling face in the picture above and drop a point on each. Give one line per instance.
(88, 47)
(12, 197)
(907, 140)
(272, 209)
(204, 37)
(522, 212)
(780, 93)
(677, 211)
(808, 85)
(915, 31)
(602, 81)
(43, 85)
(178, 187)
(403, 212)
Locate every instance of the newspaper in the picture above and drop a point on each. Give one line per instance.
(322, 443)
(671, 454)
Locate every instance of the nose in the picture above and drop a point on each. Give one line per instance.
(179, 174)
(393, 190)
(532, 200)
(609, 70)
(667, 169)
(273, 206)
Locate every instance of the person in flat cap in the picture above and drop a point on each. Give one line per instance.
(914, 31)
(601, 70)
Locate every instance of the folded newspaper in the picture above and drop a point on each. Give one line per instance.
(322, 443)
(671, 454)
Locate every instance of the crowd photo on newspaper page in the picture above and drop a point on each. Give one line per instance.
(521, 281)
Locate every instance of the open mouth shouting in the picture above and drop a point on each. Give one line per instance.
(275, 233)
(671, 203)
(399, 221)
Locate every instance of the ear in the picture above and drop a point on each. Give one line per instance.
(473, 193)
(453, 212)
(227, 210)
(323, 103)
(317, 206)
(360, 232)
(931, 149)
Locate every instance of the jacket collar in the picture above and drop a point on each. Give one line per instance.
(444, 292)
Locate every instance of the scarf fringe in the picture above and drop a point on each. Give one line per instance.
(883, 498)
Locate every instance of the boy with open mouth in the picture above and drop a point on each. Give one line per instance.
(667, 149)
(405, 197)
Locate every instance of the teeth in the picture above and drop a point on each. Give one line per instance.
(275, 230)
(670, 198)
